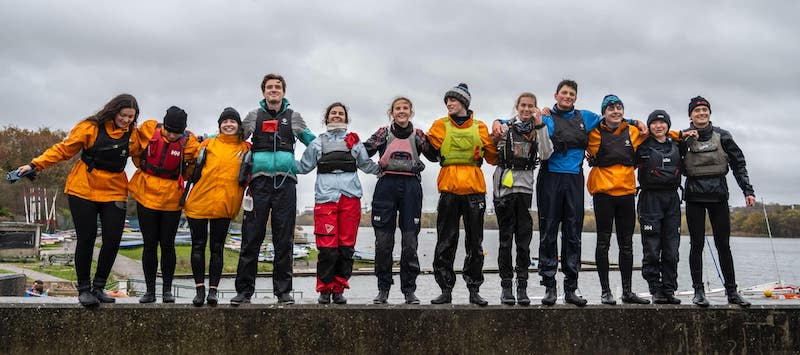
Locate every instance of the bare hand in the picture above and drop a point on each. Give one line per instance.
(497, 129)
(692, 132)
(546, 111)
(537, 116)
(23, 169)
(749, 200)
(642, 126)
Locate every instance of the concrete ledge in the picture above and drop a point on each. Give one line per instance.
(256, 328)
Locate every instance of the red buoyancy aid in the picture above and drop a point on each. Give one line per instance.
(163, 159)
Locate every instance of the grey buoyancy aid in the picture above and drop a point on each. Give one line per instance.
(706, 158)
(276, 134)
(336, 157)
(614, 148)
(518, 151)
(109, 154)
(569, 133)
(401, 156)
(161, 158)
(657, 169)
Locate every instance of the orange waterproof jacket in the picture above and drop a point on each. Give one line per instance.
(151, 191)
(462, 179)
(97, 185)
(217, 194)
(618, 179)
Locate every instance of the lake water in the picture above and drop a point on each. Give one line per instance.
(752, 258)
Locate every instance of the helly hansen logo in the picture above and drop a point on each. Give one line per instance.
(376, 218)
(647, 227)
(328, 228)
(175, 153)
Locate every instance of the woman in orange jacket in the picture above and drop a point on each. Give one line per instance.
(161, 154)
(97, 185)
(214, 200)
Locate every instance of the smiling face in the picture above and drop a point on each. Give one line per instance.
(229, 126)
(401, 112)
(525, 107)
(700, 116)
(659, 129)
(455, 107)
(565, 97)
(614, 114)
(273, 91)
(124, 117)
(336, 114)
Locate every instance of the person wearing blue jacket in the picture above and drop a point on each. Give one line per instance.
(337, 155)
(275, 128)
(559, 192)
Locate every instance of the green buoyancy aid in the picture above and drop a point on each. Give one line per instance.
(461, 146)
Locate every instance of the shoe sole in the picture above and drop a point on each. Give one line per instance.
(412, 302)
(90, 304)
(523, 303)
(378, 302)
(508, 303)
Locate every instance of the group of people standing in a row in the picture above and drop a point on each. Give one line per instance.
(226, 173)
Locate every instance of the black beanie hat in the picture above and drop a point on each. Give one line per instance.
(229, 112)
(659, 115)
(698, 101)
(461, 93)
(175, 120)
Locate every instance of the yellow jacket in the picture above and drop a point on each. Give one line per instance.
(151, 191)
(218, 194)
(462, 179)
(97, 185)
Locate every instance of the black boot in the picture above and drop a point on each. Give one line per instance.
(240, 298)
(200, 296)
(735, 298)
(607, 298)
(659, 297)
(148, 297)
(507, 297)
(324, 298)
(167, 297)
(671, 299)
(87, 298)
(102, 296)
(212, 297)
(382, 297)
(574, 298)
(522, 296)
(475, 298)
(338, 298)
(445, 298)
(411, 298)
(631, 297)
(550, 296)
(285, 298)
(700, 297)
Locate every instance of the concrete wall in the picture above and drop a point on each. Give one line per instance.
(133, 328)
(12, 284)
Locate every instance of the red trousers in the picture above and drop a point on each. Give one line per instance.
(335, 228)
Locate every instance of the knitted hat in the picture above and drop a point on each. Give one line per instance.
(175, 120)
(610, 99)
(659, 115)
(461, 93)
(698, 101)
(229, 112)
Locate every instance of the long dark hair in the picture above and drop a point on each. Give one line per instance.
(114, 106)
(330, 107)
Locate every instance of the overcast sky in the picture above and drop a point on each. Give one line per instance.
(62, 60)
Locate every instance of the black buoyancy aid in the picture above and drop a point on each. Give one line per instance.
(273, 134)
(109, 154)
(614, 148)
(658, 169)
(163, 159)
(569, 133)
(401, 156)
(518, 153)
(336, 157)
(706, 158)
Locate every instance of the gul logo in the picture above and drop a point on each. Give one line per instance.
(416, 220)
(627, 142)
(667, 160)
(328, 228)
(284, 121)
(647, 227)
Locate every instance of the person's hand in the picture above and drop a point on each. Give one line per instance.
(691, 132)
(749, 200)
(497, 129)
(642, 126)
(537, 116)
(545, 111)
(24, 169)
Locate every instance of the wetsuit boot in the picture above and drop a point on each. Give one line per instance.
(149, 296)
(324, 298)
(445, 298)
(475, 298)
(212, 297)
(507, 297)
(735, 298)
(574, 298)
(87, 298)
(550, 296)
(382, 297)
(285, 298)
(700, 297)
(101, 295)
(607, 298)
(411, 298)
(522, 296)
(240, 298)
(630, 297)
(200, 296)
(659, 297)
(338, 298)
